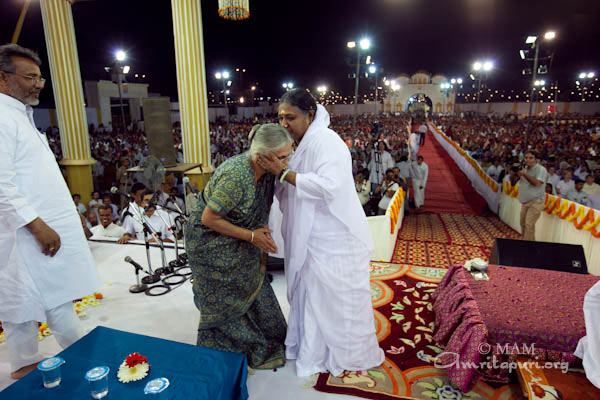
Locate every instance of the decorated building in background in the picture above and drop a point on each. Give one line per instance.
(421, 91)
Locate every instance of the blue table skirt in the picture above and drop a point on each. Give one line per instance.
(193, 372)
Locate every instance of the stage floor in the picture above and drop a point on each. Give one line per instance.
(172, 316)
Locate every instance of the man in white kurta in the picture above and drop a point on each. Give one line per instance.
(157, 220)
(106, 228)
(328, 247)
(381, 161)
(413, 143)
(419, 173)
(45, 260)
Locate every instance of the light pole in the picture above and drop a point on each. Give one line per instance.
(322, 89)
(374, 70)
(120, 70)
(536, 43)
(479, 68)
(364, 44)
(223, 76)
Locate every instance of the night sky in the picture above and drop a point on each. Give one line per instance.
(305, 41)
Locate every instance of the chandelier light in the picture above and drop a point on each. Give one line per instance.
(235, 10)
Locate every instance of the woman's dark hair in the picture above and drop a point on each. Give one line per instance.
(301, 99)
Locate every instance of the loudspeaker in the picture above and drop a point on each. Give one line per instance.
(159, 130)
(542, 255)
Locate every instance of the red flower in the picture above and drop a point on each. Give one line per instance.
(134, 359)
(538, 391)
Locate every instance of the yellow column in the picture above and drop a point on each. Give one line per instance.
(191, 86)
(68, 95)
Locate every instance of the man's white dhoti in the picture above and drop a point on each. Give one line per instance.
(419, 174)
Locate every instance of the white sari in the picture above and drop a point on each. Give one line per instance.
(328, 246)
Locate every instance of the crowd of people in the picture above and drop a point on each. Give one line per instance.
(568, 147)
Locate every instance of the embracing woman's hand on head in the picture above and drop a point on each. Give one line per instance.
(271, 163)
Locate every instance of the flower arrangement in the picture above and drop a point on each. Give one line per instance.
(134, 368)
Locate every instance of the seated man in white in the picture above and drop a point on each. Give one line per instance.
(566, 185)
(155, 220)
(387, 189)
(106, 227)
(578, 195)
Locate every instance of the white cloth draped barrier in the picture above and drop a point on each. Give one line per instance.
(559, 226)
(384, 228)
(552, 228)
(482, 182)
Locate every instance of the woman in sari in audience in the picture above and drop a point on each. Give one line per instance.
(227, 241)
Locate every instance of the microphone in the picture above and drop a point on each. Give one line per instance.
(152, 202)
(114, 190)
(138, 287)
(186, 182)
(136, 265)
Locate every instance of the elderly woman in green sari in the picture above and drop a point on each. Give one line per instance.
(227, 241)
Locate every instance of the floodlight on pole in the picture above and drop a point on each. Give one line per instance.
(530, 39)
(582, 75)
(522, 54)
(477, 66)
(218, 75)
(459, 81)
(126, 69)
(225, 75)
(453, 81)
(590, 75)
(372, 69)
(351, 45)
(365, 43)
(488, 65)
(120, 55)
(549, 35)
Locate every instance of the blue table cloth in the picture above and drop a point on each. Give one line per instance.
(193, 372)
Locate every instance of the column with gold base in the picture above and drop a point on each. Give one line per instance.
(78, 172)
(59, 30)
(191, 87)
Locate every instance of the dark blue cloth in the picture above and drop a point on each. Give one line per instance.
(193, 372)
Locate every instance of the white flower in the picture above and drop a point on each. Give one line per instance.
(135, 373)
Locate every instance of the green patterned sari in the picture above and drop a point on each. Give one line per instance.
(238, 308)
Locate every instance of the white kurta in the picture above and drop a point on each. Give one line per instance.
(419, 175)
(112, 230)
(380, 162)
(413, 142)
(328, 246)
(588, 347)
(133, 227)
(31, 186)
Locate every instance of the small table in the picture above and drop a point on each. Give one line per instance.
(522, 308)
(193, 372)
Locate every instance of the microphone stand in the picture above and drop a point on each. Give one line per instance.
(138, 287)
(152, 276)
(165, 269)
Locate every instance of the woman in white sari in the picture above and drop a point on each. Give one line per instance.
(328, 246)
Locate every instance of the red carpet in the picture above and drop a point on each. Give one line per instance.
(448, 189)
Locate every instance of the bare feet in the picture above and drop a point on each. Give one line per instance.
(18, 374)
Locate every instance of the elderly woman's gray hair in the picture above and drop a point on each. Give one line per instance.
(267, 138)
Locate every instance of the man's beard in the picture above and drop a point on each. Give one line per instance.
(32, 101)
